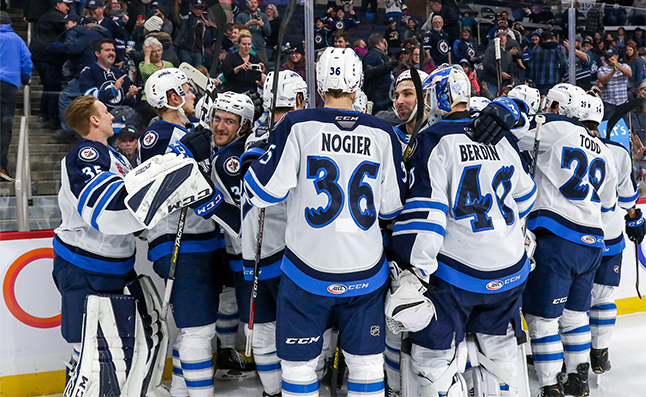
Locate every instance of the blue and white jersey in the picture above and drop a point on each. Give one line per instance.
(96, 230)
(613, 220)
(199, 233)
(463, 215)
(99, 82)
(576, 178)
(339, 171)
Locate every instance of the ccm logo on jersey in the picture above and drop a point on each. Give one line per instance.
(88, 154)
(497, 284)
(338, 289)
(302, 341)
(149, 139)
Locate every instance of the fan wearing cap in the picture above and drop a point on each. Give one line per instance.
(49, 60)
(535, 39)
(127, 144)
(95, 9)
(79, 39)
(393, 37)
(321, 34)
(614, 77)
(464, 48)
(296, 60)
(583, 63)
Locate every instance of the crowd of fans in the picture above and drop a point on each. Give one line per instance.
(110, 49)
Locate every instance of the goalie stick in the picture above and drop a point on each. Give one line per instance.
(220, 21)
(261, 218)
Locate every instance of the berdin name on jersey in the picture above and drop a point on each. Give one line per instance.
(472, 152)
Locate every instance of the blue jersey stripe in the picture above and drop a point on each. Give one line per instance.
(268, 367)
(599, 322)
(94, 264)
(415, 226)
(198, 383)
(433, 205)
(90, 189)
(548, 339)
(526, 196)
(593, 237)
(482, 286)
(197, 366)
(548, 357)
(107, 196)
(576, 348)
(187, 247)
(392, 363)
(258, 190)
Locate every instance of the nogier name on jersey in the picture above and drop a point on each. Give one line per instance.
(355, 144)
(472, 152)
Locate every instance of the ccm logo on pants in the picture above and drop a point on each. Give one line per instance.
(559, 300)
(302, 341)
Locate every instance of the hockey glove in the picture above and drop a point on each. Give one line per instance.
(530, 247)
(495, 121)
(205, 208)
(196, 144)
(257, 104)
(252, 154)
(408, 309)
(635, 227)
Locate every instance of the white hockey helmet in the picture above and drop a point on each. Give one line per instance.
(162, 81)
(531, 97)
(340, 70)
(594, 111)
(360, 101)
(447, 87)
(477, 103)
(235, 103)
(406, 75)
(568, 98)
(290, 84)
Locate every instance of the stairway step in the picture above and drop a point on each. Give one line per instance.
(46, 188)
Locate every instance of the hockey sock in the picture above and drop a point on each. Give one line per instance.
(392, 356)
(547, 348)
(196, 357)
(365, 374)
(228, 318)
(177, 385)
(299, 378)
(575, 332)
(603, 315)
(266, 357)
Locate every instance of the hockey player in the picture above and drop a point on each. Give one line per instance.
(603, 311)
(576, 180)
(463, 191)
(339, 170)
(195, 293)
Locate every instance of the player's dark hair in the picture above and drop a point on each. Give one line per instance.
(591, 125)
(98, 44)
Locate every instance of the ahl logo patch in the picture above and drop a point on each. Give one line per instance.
(616, 269)
(337, 289)
(88, 154)
(495, 285)
(588, 239)
(149, 139)
(232, 165)
(374, 330)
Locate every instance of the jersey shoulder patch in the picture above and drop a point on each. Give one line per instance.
(232, 165)
(88, 154)
(149, 139)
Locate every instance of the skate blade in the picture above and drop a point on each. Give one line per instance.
(596, 381)
(234, 374)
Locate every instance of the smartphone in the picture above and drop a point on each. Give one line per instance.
(255, 67)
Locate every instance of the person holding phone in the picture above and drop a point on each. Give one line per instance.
(240, 69)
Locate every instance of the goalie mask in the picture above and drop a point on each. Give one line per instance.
(531, 97)
(339, 70)
(238, 104)
(290, 84)
(567, 97)
(446, 88)
(163, 81)
(406, 75)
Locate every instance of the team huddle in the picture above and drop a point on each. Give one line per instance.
(419, 248)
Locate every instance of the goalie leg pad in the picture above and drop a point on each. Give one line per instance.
(196, 358)
(299, 378)
(113, 352)
(574, 328)
(266, 357)
(228, 318)
(603, 315)
(547, 349)
(163, 184)
(365, 374)
(439, 371)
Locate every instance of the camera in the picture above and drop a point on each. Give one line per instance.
(255, 67)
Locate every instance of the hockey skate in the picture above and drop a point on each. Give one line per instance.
(577, 383)
(600, 365)
(551, 391)
(232, 365)
(264, 394)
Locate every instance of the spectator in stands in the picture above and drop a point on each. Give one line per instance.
(343, 23)
(450, 18)
(594, 19)
(348, 5)
(78, 42)
(274, 23)
(406, 16)
(34, 9)
(436, 42)
(392, 37)
(153, 50)
(105, 81)
(416, 58)
(258, 24)
(95, 9)
(49, 60)
(464, 48)
(189, 38)
(321, 34)
(638, 36)
(238, 68)
(467, 21)
(126, 144)
(374, 12)
(117, 10)
(341, 39)
(489, 74)
(547, 64)
(151, 29)
(636, 64)
(583, 63)
(615, 14)
(393, 10)
(360, 48)
(412, 29)
(230, 39)
(534, 40)
(614, 78)
(296, 60)
(377, 68)
(471, 74)
(15, 69)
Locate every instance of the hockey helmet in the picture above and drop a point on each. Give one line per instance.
(235, 103)
(339, 70)
(360, 101)
(446, 87)
(531, 97)
(477, 103)
(290, 84)
(406, 75)
(162, 81)
(567, 97)
(594, 110)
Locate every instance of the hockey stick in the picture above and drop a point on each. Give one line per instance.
(221, 22)
(620, 113)
(334, 392)
(540, 120)
(173, 262)
(496, 43)
(637, 273)
(261, 218)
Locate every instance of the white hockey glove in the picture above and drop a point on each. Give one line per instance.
(530, 247)
(163, 184)
(407, 308)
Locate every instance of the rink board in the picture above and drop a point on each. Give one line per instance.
(32, 351)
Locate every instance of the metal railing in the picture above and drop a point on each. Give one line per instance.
(23, 171)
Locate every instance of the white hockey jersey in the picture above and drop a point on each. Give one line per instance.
(200, 234)
(576, 178)
(341, 170)
(96, 230)
(613, 220)
(462, 218)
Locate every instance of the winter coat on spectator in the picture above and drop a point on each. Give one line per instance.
(489, 62)
(258, 33)
(79, 44)
(344, 24)
(16, 65)
(547, 64)
(463, 49)
(594, 20)
(272, 39)
(168, 55)
(49, 29)
(299, 67)
(321, 38)
(242, 81)
(377, 80)
(185, 37)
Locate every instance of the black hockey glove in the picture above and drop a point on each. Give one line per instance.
(257, 104)
(196, 144)
(495, 121)
(635, 227)
(253, 153)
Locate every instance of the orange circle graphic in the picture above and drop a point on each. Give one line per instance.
(8, 290)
